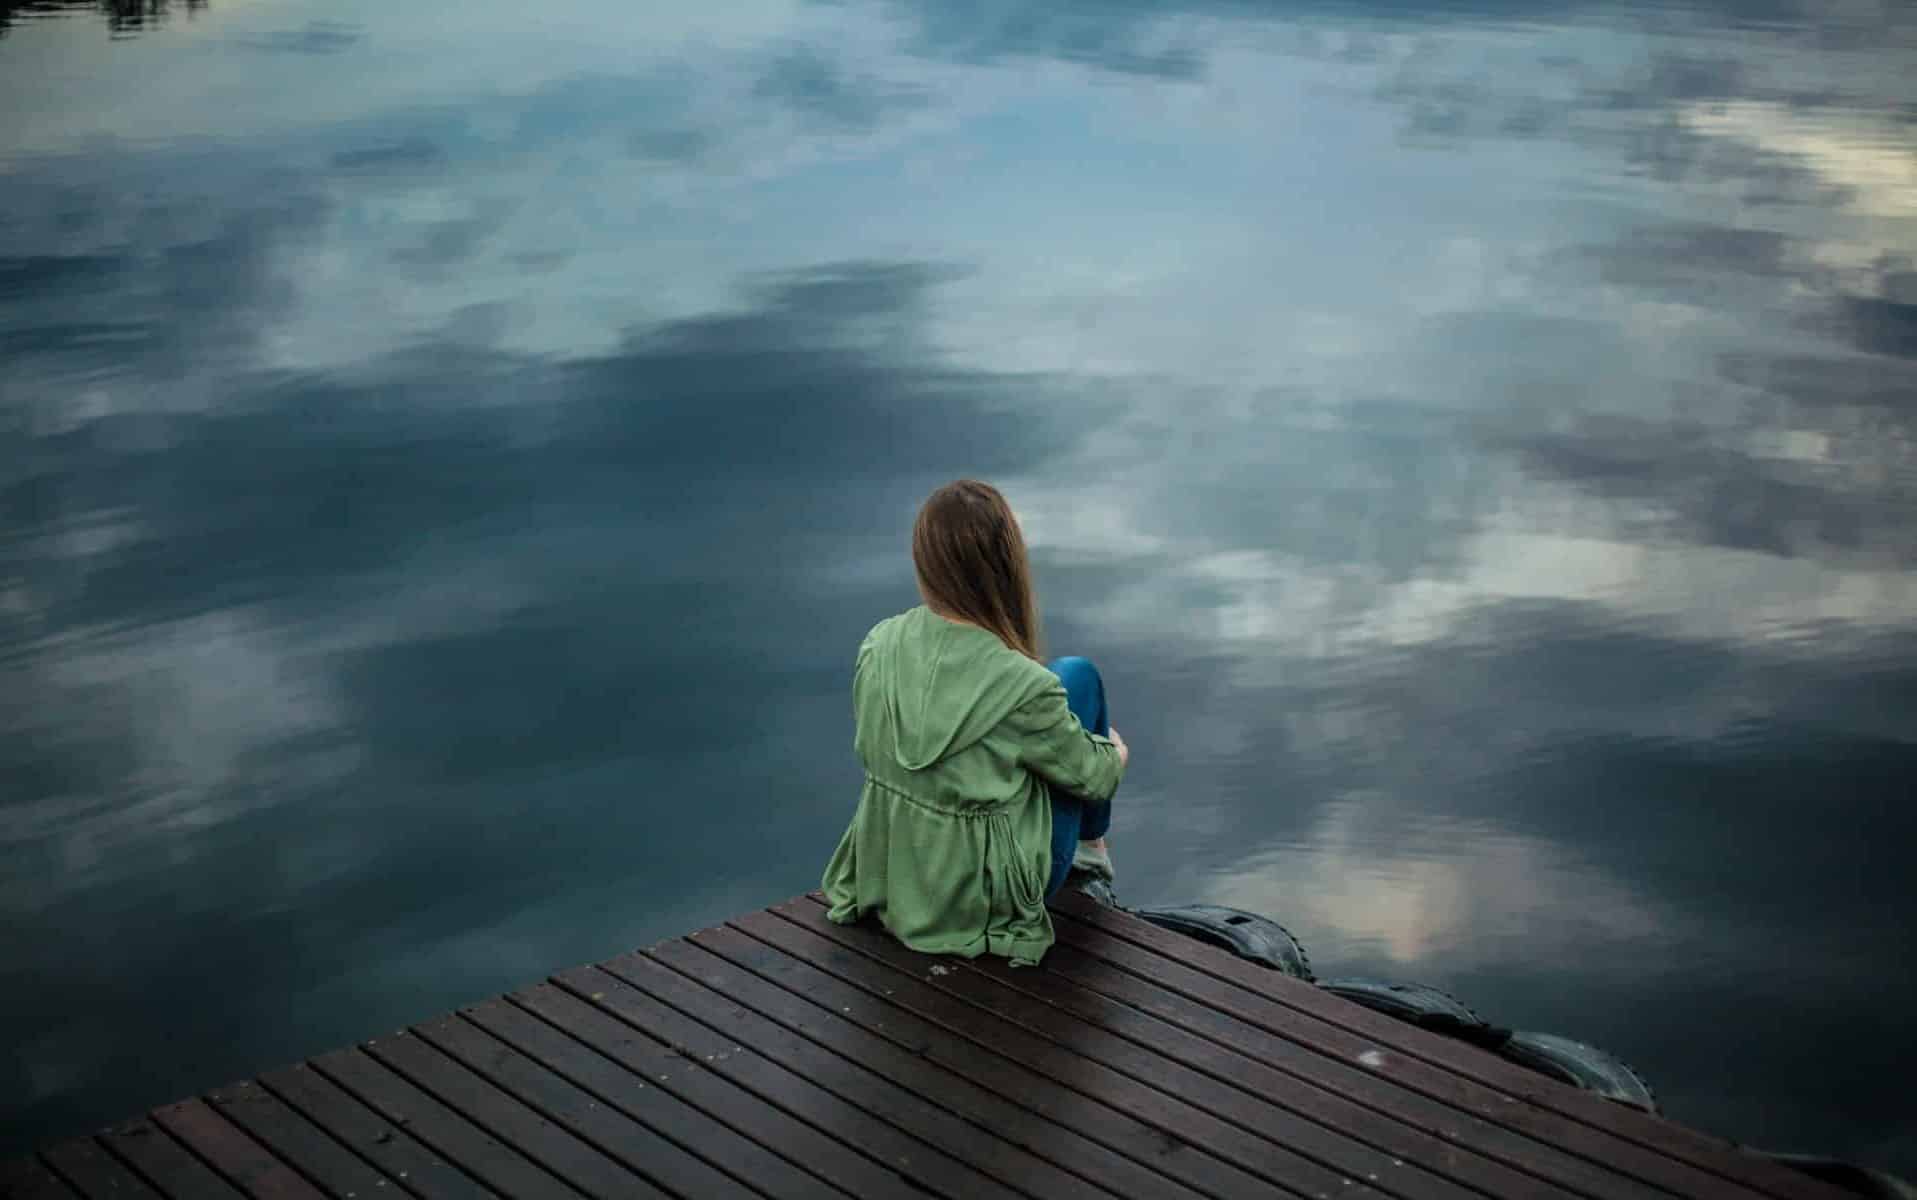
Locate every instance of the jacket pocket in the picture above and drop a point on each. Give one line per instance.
(1027, 892)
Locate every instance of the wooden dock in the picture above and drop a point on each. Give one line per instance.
(780, 1055)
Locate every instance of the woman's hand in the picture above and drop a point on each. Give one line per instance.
(1124, 751)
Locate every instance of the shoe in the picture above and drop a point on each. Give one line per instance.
(1094, 861)
(1100, 890)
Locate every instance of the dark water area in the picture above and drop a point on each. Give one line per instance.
(450, 452)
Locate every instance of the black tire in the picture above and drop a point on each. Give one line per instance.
(1421, 1005)
(1864, 1181)
(1582, 1066)
(1252, 937)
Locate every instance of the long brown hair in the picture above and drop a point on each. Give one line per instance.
(970, 557)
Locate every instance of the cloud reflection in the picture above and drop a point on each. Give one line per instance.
(437, 519)
(1449, 895)
(579, 557)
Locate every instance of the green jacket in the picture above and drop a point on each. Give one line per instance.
(951, 843)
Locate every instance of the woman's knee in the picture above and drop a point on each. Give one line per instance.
(1071, 667)
(1084, 691)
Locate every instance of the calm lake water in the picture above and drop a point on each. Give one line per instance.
(452, 450)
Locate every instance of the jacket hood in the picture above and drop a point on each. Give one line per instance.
(947, 685)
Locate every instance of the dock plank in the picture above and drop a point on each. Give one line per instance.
(1061, 1084)
(795, 1077)
(450, 1134)
(1300, 1125)
(1713, 1156)
(164, 1163)
(230, 1151)
(1094, 1141)
(659, 1111)
(31, 1179)
(987, 1092)
(667, 1166)
(780, 1055)
(1387, 1060)
(85, 1164)
(379, 1140)
(1438, 1128)
(643, 1056)
(530, 1132)
(296, 1140)
(993, 1166)
(1407, 1124)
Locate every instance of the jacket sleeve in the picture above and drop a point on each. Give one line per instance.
(1055, 747)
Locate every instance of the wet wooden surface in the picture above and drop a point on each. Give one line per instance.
(781, 1055)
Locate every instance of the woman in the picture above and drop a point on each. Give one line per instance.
(988, 773)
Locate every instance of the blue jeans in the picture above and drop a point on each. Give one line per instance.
(1075, 818)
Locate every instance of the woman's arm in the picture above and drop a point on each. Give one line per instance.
(1054, 746)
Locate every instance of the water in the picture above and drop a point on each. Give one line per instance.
(451, 452)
